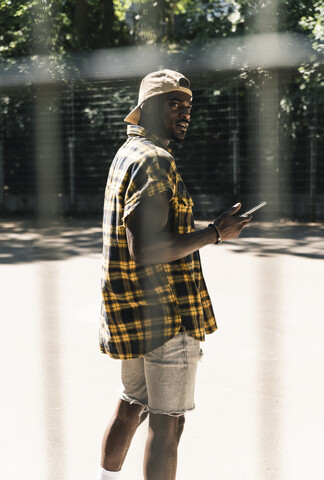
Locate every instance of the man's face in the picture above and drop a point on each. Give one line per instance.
(171, 115)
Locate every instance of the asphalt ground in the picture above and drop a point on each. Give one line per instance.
(260, 387)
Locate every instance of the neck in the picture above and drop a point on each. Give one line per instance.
(149, 126)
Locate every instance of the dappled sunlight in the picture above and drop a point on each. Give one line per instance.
(280, 238)
(23, 241)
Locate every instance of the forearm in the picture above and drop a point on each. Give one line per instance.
(149, 243)
(165, 247)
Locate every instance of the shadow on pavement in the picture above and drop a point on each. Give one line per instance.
(22, 241)
(286, 238)
(265, 240)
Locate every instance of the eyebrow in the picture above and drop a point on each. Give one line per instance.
(179, 100)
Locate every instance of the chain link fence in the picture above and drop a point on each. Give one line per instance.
(254, 135)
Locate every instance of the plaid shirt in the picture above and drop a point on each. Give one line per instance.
(144, 306)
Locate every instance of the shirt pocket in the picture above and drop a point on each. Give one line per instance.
(183, 205)
(182, 193)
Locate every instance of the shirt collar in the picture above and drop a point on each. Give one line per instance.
(138, 131)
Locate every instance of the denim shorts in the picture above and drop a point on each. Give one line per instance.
(163, 381)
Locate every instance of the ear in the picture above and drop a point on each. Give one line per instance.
(146, 107)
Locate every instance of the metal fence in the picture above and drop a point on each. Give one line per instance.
(254, 135)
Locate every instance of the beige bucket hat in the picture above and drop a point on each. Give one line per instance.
(157, 83)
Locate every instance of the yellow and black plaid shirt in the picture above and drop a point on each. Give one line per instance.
(144, 306)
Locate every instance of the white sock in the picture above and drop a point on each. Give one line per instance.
(105, 475)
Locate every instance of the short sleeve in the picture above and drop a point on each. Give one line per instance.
(149, 177)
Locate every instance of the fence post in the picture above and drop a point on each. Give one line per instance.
(235, 141)
(71, 171)
(312, 174)
(1, 177)
(71, 150)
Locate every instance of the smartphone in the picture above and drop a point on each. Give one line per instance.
(245, 214)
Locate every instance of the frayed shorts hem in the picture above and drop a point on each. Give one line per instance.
(146, 408)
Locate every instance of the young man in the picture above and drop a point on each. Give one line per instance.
(156, 308)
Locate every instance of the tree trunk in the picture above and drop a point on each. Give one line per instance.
(170, 19)
(106, 23)
(81, 22)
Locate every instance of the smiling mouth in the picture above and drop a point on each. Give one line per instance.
(182, 125)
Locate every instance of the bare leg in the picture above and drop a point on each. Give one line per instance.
(160, 462)
(119, 433)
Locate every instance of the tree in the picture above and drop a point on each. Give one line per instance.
(64, 26)
(60, 27)
(81, 21)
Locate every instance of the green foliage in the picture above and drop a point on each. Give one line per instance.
(65, 26)
(15, 29)
(205, 20)
(121, 8)
(314, 24)
(60, 27)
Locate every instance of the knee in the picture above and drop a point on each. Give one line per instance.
(129, 415)
(167, 429)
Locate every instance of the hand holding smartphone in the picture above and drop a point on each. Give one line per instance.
(248, 212)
